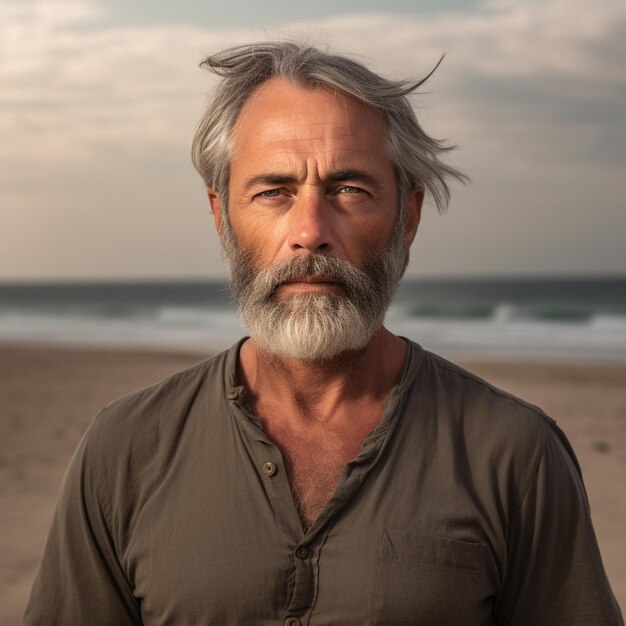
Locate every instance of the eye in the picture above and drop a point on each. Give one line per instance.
(350, 189)
(269, 193)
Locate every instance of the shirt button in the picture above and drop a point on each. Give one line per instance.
(302, 553)
(233, 394)
(292, 621)
(270, 469)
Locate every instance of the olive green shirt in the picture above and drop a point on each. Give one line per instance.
(465, 506)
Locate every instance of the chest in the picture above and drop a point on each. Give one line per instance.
(314, 465)
(228, 532)
(315, 453)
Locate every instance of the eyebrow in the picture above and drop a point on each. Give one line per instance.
(270, 178)
(356, 175)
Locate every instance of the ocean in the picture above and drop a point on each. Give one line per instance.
(521, 318)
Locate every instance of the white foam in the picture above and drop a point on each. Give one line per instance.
(217, 330)
(600, 322)
(501, 335)
(505, 334)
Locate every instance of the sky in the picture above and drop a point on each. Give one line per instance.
(99, 100)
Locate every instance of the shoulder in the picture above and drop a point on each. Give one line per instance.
(501, 438)
(468, 397)
(131, 444)
(141, 411)
(133, 436)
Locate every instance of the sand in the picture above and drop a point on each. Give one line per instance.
(48, 396)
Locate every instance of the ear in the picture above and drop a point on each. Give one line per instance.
(216, 208)
(414, 213)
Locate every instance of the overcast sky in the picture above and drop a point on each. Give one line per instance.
(98, 101)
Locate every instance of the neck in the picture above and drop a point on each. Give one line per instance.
(321, 391)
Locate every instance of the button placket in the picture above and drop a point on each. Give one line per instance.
(269, 466)
(304, 582)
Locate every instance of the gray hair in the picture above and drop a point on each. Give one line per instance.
(414, 154)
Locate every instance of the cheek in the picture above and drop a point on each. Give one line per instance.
(258, 240)
(370, 237)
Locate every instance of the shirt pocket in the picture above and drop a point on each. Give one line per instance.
(421, 579)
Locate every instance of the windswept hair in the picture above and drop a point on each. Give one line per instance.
(416, 156)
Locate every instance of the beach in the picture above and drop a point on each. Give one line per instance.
(49, 395)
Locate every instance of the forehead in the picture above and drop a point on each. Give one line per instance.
(282, 116)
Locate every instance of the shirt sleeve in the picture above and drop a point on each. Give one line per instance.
(80, 580)
(554, 574)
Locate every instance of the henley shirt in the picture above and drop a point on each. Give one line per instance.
(465, 506)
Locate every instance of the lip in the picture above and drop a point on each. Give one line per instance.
(312, 283)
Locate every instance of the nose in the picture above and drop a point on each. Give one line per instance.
(310, 224)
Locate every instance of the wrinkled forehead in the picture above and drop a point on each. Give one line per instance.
(282, 109)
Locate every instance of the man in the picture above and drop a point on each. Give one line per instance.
(323, 471)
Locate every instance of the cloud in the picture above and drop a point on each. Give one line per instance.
(533, 90)
(117, 81)
(69, 88)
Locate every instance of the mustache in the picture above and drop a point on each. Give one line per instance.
(331, 269)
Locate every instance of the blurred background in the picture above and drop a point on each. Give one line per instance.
(110, 271)
(98, 103)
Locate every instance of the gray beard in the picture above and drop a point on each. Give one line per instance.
(316, 326)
